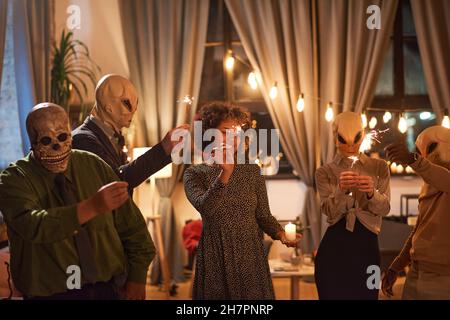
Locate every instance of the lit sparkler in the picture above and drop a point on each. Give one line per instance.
(372, 137)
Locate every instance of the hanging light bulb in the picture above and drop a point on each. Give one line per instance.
(402, 124)
(373, 122)
(252, 80)
(329, 114)
(446, 122)
(273, 93)
(229, 62)
(300, 103)
(387, 117)
(364, 120)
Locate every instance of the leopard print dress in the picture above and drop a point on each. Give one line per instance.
(231, 263)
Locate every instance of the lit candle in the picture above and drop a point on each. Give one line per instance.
(291, 230)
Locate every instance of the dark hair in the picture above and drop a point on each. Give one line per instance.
(214, 113)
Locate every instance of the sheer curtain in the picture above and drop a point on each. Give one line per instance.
(351, 57)
(432, 21)
(3, 20)
(33, 37)
(165, 41)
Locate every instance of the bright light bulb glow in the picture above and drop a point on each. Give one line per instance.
(273, 93)
(425, 115)
(387, 117)
(364, 120)
(446, 122)
(373, 122)
(402, 125)
(300, 104)
(229, 63)
(329, 114)
(252, 81)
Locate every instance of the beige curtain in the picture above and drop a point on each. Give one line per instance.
(351, 57)
(277, 38)
(280, 38)
(3, 20)
(33, 38)
(165, 41)
(432, 21)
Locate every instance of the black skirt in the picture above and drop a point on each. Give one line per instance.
(342, 261)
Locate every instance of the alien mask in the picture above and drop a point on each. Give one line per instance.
(433, 143)
(50, 137)
(116, 101)
(348, 132)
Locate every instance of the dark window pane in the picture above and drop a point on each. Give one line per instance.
(215, 22)
(414, 77)
(385, 85)
(241, 88)
(212, 85)
(408, 22)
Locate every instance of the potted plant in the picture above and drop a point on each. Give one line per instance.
(72, 72)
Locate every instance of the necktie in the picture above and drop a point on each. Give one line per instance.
(82, 241)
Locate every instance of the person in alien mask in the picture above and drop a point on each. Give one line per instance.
(427, 250)
(354, 194)
(116, 101)
(74, 233)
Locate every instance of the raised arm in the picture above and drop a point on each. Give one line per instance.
(434, 175)
(205, 198)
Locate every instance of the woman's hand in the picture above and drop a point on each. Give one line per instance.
(289, 243)
(366, 185)
(389, 279)
(348, 180)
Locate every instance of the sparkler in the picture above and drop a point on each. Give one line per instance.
(372, 137)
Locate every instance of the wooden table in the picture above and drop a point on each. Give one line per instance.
(282, 269)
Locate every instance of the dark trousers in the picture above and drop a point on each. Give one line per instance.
(342, 260)
(97, 291)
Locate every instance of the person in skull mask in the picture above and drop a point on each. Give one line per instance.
(427, 249)
(354, 194)
(66, 209)
(116, 103)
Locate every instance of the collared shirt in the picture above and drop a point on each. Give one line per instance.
(109, 132)
(41, 227)
(336, 204)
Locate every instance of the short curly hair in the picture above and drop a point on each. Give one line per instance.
(214, 113)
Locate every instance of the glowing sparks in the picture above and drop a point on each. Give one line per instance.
(354, 160)
(372, 137)
(187, 99)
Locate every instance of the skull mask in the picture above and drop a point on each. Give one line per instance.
(348, 133)
(434, 144)
(50, 136)
(116, 101)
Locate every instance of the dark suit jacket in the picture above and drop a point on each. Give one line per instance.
(90, 137)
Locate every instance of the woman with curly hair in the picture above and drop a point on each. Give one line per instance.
(232, 200)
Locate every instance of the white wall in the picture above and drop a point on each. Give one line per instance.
(101, 31)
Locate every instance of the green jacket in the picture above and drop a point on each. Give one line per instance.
(41, 227)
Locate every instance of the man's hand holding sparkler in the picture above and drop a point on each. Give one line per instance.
(399, 153)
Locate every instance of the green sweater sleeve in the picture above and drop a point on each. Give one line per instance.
(133, 233)
(24, 216)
